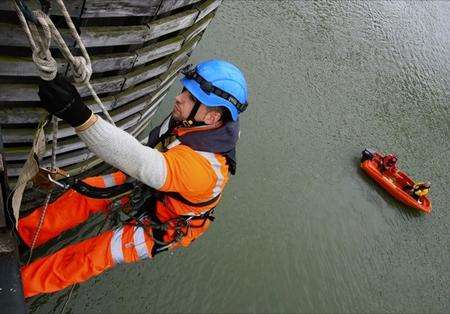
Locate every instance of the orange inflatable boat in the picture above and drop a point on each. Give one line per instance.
(395, 183)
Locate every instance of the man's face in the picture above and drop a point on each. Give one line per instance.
(183, 106)
(184, 103)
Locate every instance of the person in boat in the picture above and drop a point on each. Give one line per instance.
(186, 164)
(419, 190)
(389, 164)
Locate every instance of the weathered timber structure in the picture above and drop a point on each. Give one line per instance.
(137, 47)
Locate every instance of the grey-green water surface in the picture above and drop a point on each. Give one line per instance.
(301, 228)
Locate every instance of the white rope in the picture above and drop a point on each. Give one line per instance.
(49, 193)
(40, 44)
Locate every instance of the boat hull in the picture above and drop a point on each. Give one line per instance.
(394, 185)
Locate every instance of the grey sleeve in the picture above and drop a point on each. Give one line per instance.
(123, 151)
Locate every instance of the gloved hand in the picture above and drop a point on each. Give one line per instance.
(61, 98)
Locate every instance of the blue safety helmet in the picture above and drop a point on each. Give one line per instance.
(217, 83)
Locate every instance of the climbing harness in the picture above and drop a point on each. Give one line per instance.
(140, 212)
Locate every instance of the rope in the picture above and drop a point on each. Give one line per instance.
(49, 194)
(40, 44)
(82, 70)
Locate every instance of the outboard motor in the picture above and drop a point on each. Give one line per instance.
(367, 154)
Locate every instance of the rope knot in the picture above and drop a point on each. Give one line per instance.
(47, 66)
(82, 71)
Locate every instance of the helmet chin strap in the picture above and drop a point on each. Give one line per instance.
(190, 121)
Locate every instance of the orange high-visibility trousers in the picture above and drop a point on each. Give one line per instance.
(81, 261)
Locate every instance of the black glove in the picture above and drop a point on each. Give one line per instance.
(60, 98)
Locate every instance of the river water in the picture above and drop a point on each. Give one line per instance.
(300, 228)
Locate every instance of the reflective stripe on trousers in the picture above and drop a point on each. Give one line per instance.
(130, 243)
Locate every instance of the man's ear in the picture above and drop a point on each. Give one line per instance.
(212, 117)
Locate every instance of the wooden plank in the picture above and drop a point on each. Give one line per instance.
(26, 135)
(14, 135)
(137, 91)
(102, 85)
(132, 108)
(13, 35)
(19, 92)
(171, 23)
(28, 92)
(206, 8)
(187, 49)
(14, 168)
(173, 70)
(108, 102)
(100, 36)
(169, 5)
(23, 66)
(17, 115)
(72, 157)
(146, 115)
(73, 6)
(64, 146)
(198, 27)
(158, 50)
(114, 61)
(110, 8)
(144, 73)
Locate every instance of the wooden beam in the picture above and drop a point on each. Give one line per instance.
(169, 5)
(146, 115)
(173, 70)
(19, 92)
(16, 114)
(13, 35)
(72, 6)
(206, 8)
(187, 49)
(158, 50)
(110, 8)
(102, 85)
(137, 91)
(101, 36)
(198, 27)
(64, 146)
(171, 23)
(23, 66)
(72, 157)
(113, 61)
(145, 73)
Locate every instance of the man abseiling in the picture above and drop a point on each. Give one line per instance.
(195, 155)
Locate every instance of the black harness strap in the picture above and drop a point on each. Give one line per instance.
(160, 196)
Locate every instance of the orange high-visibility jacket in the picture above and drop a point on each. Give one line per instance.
(193, 172)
